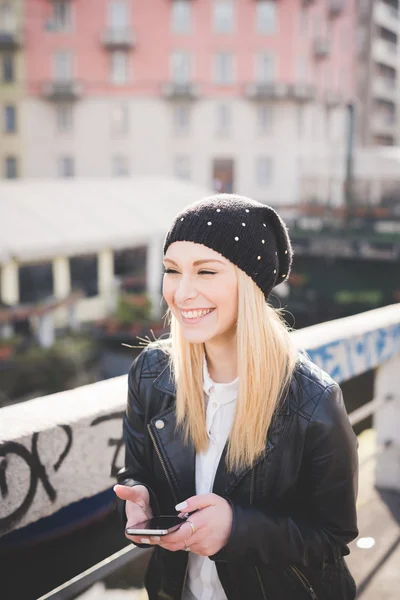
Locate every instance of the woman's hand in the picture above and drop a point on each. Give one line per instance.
(212, 526)
(137, 507)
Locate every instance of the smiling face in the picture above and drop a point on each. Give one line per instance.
(200, 288)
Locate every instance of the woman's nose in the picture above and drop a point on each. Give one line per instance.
(185, 290)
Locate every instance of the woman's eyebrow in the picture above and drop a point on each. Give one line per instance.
(196, 262)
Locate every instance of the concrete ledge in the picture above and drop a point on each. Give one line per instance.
(64, 447)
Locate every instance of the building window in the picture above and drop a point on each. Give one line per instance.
(181, 70)
(11, 167)
(119, 67)
(223, 119)
(264, 118)
(181, 16)
(266, 16)
(118, 15)
(64, 117)
(119, 165)
(265, 67)
(62, 65)
(7, 67)
(182, 167)
(84, 276)
(35, 282)
(223, 16)
(66, 166)
(10, 119)
(223, 175)
(264, 170)
(181, 118)
(119, 116)
(223, 68)
(61, 20)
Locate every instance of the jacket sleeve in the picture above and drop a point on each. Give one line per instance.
(136, 471)
(331, 468)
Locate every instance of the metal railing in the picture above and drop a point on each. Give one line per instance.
(70, 589)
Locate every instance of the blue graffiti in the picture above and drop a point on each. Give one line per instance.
(346, 358)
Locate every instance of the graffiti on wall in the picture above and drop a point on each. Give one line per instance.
(346, 358)
(26, 467)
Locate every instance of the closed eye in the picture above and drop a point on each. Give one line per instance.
(171, 271)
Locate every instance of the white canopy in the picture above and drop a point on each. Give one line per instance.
(41, 219)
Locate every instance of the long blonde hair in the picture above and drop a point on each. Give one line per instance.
(266, 360)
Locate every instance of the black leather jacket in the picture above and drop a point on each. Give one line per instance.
(294, 511)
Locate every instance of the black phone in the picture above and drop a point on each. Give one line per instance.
(161, 525)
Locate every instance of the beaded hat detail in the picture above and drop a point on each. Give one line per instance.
(249, 234)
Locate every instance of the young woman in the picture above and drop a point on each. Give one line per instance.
(228, 422)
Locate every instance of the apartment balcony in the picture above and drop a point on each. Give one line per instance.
(62, 90)
(268, 91)
(333, 99)
(384, 124)
(174, 90)
(118, 38)
(322, 47)
(10, 40)
(385, 88)
(386, 16)
(335, 7)
(385, 52)
(303, 92)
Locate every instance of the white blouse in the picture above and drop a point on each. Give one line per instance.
(202, 581)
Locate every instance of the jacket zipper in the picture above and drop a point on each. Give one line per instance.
(304, 581)
(172, 489)
(256, 568)
(162, 462)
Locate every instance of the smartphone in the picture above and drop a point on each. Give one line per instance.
(161, 525)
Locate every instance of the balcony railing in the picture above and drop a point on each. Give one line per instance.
(303, 92)
(385, 87)
(10, 40)
(118, 38)
(267, 91)
(62, 90)
(384, 124)
(332, 99)
(174, 90)
(322, 47)
(385, 52)
(386, 16)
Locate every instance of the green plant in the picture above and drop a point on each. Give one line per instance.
(133, 308)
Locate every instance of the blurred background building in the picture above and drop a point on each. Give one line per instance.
(233, 95)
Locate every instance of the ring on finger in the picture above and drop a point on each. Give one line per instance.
(191, 525)
(187, 547)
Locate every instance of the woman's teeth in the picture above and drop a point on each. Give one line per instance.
(195, 314)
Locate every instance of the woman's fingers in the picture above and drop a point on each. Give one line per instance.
(134, 494)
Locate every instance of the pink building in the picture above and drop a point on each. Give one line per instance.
(248, 95)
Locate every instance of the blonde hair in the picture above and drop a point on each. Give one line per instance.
(266, 360)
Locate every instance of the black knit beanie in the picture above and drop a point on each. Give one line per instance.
(249, 234)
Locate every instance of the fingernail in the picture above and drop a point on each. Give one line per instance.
(155, 538)
(181, 506)
(145, 540)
